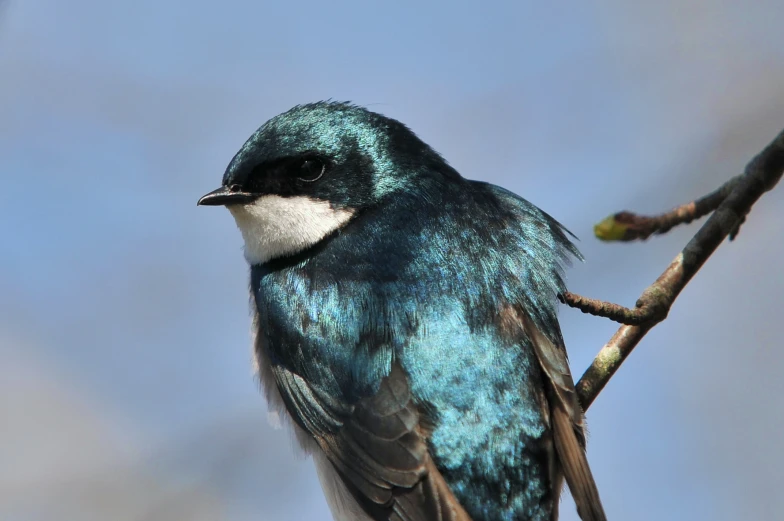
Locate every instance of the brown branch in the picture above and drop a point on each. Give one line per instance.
(615, 312)
(628, 226)
(760, 176)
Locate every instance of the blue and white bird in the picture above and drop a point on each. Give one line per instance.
(405, 321)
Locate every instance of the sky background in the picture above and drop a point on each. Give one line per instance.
(126, 390)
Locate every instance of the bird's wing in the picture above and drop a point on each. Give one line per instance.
(567, 421)
(377, 446)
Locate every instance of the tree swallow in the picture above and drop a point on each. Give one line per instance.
(405, 321)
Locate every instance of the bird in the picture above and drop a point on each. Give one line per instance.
(405, 322)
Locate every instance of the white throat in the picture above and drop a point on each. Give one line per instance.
(274, 226)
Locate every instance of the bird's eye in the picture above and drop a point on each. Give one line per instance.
(311, 170)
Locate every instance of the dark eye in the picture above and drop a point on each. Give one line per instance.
(311, 170)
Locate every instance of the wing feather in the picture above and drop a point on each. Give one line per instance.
(567, 422)
(378, 447)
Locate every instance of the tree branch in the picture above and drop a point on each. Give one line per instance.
(732, 202)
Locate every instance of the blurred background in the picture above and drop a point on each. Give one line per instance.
(126, 390)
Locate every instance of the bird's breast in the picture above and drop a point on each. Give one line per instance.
(480, 389)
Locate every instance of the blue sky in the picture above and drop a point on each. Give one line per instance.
(124, 331)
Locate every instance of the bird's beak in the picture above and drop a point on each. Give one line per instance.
(226, 195)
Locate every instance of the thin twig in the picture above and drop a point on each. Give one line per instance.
(628, 226)
(760, 176)
(615, 312)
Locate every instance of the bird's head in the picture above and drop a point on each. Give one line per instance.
(307, 172)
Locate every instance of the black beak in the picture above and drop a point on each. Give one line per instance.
(226, 195)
